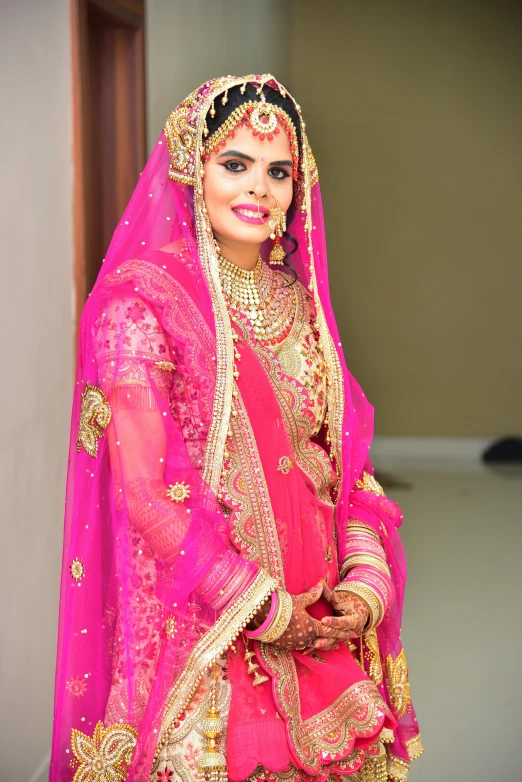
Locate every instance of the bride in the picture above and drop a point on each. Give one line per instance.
(233, 577)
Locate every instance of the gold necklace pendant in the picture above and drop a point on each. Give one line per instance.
(260, 295)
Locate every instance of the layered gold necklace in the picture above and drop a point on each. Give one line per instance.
(259, 294)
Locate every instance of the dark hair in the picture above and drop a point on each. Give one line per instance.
(235, 99)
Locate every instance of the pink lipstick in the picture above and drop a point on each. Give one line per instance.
(248, 213)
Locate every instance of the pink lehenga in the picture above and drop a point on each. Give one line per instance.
(206, 469)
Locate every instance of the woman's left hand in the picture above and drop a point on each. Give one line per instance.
(352, 614)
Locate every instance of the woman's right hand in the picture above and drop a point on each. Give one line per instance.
(303, 630)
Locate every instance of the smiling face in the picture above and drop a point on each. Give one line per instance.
(243, 180)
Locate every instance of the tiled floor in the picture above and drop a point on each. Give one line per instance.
(462, 620)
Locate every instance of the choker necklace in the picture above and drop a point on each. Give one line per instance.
(258, 294)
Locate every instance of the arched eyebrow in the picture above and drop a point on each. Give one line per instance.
(236, 153)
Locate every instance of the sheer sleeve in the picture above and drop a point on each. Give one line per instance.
(155, 481)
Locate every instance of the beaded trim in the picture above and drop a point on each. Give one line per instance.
(262, 118)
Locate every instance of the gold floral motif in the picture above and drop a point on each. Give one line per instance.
(77, 569)
(398, 684)
(284, 465)
(167, 366)
(178, 492)
(95, 415)
(170, 627)
(369, 483)
(373, 655)
(181, 141)
(105, 756)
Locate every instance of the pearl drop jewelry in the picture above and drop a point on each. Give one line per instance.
(261, 296)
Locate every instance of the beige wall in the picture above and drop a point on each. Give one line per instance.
(415, 117)
(37, 359)
(190, 42)
(423, 245)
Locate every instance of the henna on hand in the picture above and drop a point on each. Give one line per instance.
(303, 630)
(348, 606)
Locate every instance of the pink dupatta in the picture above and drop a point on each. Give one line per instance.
(140, 614)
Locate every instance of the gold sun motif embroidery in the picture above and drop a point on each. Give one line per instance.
(77, 569)
(170, 627)
(76, 687)
(106, 755)
(178, 492)
(398, 684)
(95, 416)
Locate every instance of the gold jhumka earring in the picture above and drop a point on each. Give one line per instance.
(277, 223)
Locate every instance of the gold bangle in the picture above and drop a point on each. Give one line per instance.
(360, 526)
(352, 560)
(368, 596)
(281, 619)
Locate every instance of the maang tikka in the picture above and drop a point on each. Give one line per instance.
(277, 223)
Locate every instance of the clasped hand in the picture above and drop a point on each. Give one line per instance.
(305, 632)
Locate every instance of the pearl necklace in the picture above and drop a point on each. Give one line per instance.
(258, 294)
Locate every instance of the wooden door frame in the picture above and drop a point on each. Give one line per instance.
(125, 13)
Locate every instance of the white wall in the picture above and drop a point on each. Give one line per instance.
(190, 42)
(37, 366)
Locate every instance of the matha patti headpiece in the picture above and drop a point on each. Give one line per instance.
(262, 118)
(181, 128)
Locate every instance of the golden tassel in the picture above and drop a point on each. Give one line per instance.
(252, 668)
(213, 765)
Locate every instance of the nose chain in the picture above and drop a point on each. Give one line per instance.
(258, 294)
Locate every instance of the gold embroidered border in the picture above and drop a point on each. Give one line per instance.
(291, 396)
(180, 314)
(259, 505)
(397, 769)
(415, 747)
(333, 730)
(224, 354)
(336, 391)
(209, 647)
(311, 458)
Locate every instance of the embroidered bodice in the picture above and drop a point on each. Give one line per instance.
(300, 353)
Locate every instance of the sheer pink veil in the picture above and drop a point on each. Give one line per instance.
(356, 434)
(132, 609)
